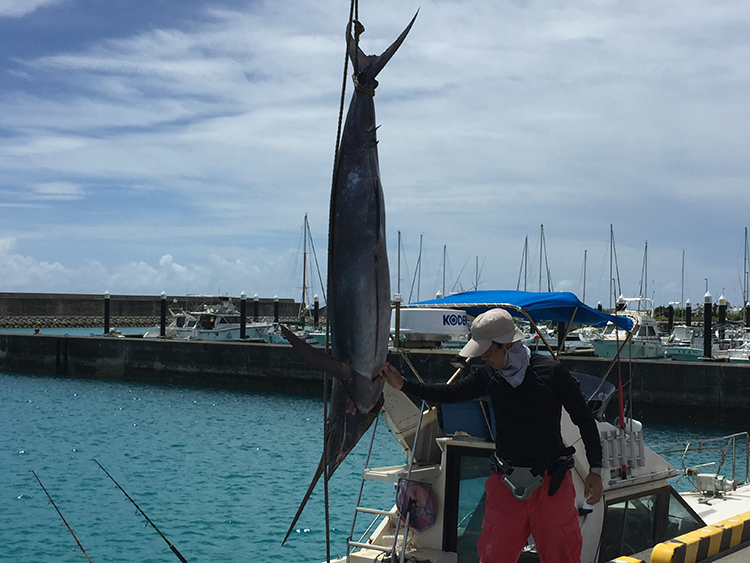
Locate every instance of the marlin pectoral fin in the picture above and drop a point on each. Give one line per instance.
(318, 357)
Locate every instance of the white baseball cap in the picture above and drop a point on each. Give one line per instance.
(495, 325)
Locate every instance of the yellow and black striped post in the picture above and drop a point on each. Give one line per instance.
(706, 542)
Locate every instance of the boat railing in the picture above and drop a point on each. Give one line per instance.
(733, 450)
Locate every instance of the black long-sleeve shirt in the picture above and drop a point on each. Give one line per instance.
(527, 417)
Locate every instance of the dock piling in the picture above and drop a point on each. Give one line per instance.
(106, 312)
(707, 308)
(163, 315)
(243, 315)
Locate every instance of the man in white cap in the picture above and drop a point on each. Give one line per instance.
(530, 490)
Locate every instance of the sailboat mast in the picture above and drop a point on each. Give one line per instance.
(541, 243)
(398, 269)
(445, 255)
(746, 279)
(525, 260)
(419, 266)
(304, 264)
(682, 281)
(645, 270)
(611, 247)
(522, 271)
(584, 275)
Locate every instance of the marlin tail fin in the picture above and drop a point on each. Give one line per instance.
(376, 63)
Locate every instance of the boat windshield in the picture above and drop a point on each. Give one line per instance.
(469, 469)
(638, 522)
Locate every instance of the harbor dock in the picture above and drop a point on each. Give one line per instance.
(715, 386)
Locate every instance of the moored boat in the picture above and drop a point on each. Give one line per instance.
(685, 343)
(180, 325)
(439, 508)
(740, 351)
(642, 341)
(213, 322)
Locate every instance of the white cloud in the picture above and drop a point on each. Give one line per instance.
(62, 191)
(6, 244)
(20, 8)
(494, 118)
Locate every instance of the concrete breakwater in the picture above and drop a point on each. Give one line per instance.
(59, 310)
(44, 321)
(720, 387)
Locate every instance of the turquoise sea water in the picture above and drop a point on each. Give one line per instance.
(221, 473)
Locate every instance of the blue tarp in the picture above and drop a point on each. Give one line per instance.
(556, 306)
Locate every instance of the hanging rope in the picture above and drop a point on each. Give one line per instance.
(353, 16)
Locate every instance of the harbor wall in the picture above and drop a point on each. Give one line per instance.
(721, 387)
(230, 365)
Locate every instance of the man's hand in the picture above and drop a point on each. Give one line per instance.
(391, 376)
(592, 488)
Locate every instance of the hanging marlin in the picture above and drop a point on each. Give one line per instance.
(359, 300)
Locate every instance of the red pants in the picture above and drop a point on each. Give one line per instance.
(508, 522)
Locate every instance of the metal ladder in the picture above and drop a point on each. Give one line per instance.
(366, 538)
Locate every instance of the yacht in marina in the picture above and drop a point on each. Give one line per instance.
(212, 322)
(643, 341)
(650, 505)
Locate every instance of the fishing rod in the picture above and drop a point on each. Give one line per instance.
(173, 548)
(61, 516)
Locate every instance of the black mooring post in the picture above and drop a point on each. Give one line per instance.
(316, 312)
(276, 309)
(688, 313)
(707, 308)
(747, 314)
(670, 318)
(256, 307)
(560, 336)
(163, 316)
(722, 316)
(106, 312)
(243, 315)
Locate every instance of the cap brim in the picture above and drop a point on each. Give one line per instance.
(475, 348)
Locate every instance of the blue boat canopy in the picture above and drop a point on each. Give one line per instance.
(560, 306)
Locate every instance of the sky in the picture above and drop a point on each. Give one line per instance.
(177, 145)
